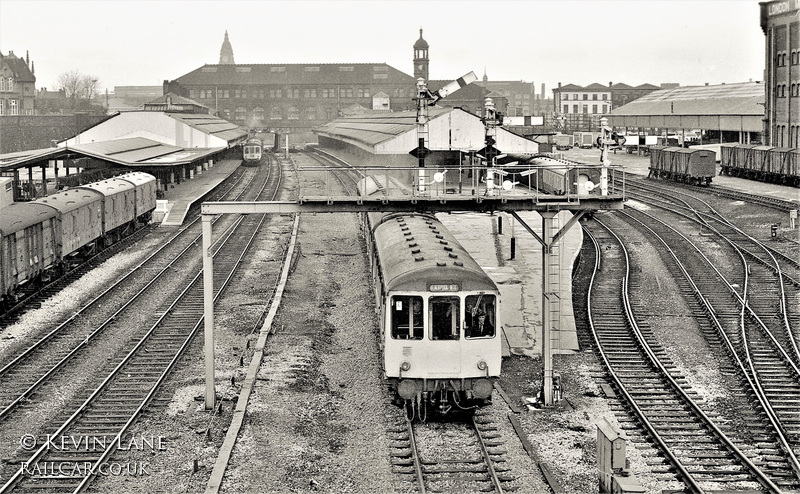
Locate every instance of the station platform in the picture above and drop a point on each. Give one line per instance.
(180, 197)
(520, 280)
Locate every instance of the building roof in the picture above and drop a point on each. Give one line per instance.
(732, 107)
(725, 99)
(421, 44)
(396, 132)
(18, 66)
(212, 125)
(298, 73)
(139, 151)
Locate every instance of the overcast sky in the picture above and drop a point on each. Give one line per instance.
(124, 43)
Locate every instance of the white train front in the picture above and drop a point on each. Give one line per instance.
(440, 326)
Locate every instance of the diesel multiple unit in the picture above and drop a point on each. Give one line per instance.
(439, 311)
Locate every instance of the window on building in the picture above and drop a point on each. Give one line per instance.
(275, 113)
(241, 113)
(12, 107)
(594, 109)
(594, 97)
(574, 108)
(192, 94)
(566, 97)
(444, 314)
(226, 93)
(11, 85)
(585, 97)
(258, 113)
(526, 96)
(2, 83)
(605, 97)
(293, 113)
(227, 113)
(407, 317)
(325, 92)
(605, 108)
(566, 108)
(328, 113)
(585, 109)
(2, 107)
(237, 93)
(260, 94)
(311, 113)
(575, 97)
(295, 93)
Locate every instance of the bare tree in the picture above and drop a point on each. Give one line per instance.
(78, 86)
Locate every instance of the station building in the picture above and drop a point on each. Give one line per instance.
(295, 98)
(780, 21)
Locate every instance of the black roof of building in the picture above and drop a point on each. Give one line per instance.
(19, 67)
(297, 73)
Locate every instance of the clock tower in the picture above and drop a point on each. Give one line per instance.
(421, 58)
(226, 52)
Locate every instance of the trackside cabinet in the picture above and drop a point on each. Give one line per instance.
(612, 466)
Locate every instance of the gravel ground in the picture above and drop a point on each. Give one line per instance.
(318, 416)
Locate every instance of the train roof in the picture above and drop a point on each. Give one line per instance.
(137, 178)
(110, 187)
(70, 199)
(20, 215)
(416, 251)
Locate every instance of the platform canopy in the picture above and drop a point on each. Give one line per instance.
(728, 107)
(450, 129)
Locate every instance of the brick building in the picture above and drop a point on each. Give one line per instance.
(780, 21)
(17, 85)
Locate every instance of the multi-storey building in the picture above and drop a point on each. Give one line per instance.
(520, 95)
(579, 108)
(17, 85)
(780, 21)
(295, 98)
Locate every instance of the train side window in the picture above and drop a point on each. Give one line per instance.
(406, 317)
(444, 314)
(481, 316)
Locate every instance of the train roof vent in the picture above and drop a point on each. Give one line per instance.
(404, 228)
(438, 263)
(418, 259)
(454, 256)
(415, 251)
(458, 263)
(448, 249)
(406, 233)
(443, 242)
(412, 245)
(409, 239)
(440, 237)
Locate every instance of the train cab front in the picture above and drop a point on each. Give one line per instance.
(442, 351)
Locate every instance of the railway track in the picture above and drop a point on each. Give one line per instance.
(108, 408)
(464, 455)
(702, 456)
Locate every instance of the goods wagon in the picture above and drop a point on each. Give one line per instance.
(687, 165)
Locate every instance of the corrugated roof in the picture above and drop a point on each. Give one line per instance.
(373, 128)
(725, 99)
(212, 125)
(141, 151)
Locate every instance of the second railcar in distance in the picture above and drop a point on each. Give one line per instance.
(439, 312)
(252, 152)
(686, 165)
